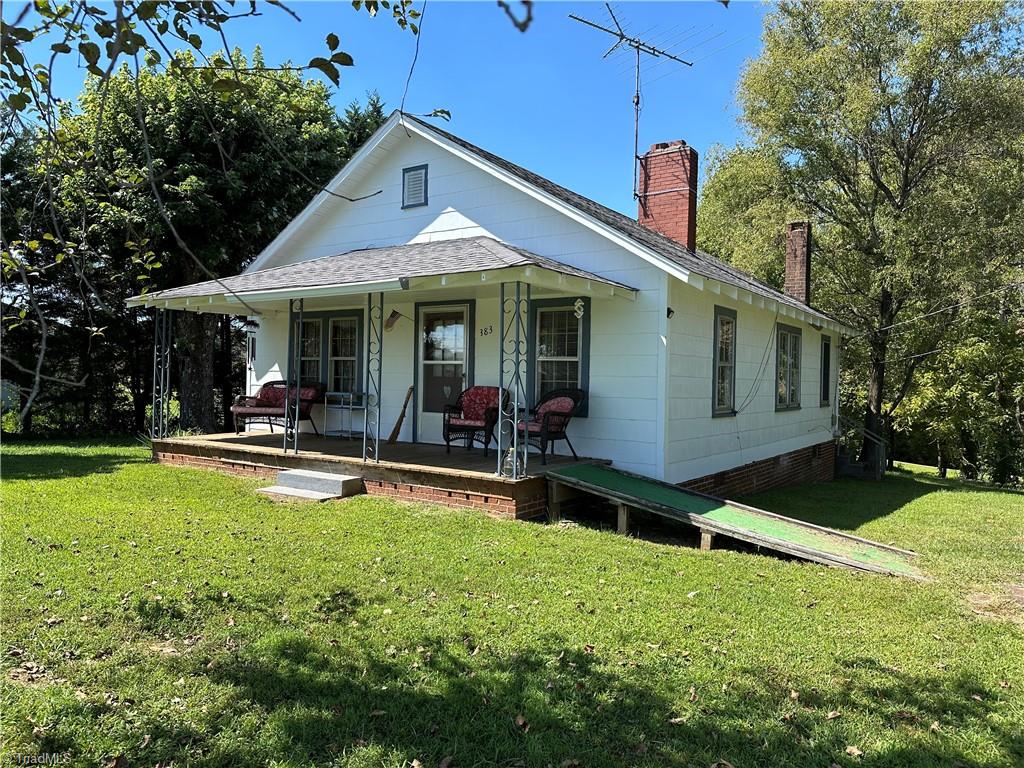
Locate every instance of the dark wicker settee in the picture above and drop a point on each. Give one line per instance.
(267, 407)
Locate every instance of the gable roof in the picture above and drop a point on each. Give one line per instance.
(693, 261)
(390, 264)
(693, 267)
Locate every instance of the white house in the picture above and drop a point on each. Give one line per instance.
(695, 372)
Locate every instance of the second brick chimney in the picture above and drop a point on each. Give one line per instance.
(798, 260)
(668, 191)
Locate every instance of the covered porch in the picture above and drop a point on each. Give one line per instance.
(397, 332)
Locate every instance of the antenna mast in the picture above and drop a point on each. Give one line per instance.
(640, 47)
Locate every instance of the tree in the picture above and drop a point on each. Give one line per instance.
(37, 36)
(226, 192)
(890, 125)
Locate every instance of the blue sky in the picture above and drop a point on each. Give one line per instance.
(545, 98)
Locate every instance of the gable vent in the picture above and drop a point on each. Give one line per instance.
(414, 186)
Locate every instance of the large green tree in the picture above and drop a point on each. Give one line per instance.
(891, 126)
(160, 184)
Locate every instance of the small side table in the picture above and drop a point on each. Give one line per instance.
(345, 403)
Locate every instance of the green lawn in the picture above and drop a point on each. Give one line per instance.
(162, 615)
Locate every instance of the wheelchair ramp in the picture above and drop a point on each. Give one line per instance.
(715, 516)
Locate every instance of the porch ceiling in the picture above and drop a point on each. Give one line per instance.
(414, 266)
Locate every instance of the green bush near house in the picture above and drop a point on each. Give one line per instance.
(156, 615)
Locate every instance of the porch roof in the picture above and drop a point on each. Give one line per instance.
(388, 268)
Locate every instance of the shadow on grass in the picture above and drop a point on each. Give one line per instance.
(61, 464)
(847, 503)
(555, 703)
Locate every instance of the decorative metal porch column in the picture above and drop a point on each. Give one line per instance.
(293, 380)
(374, 350)
(163, 341)
(512, 373)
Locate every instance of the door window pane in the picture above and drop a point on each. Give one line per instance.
(443, 358)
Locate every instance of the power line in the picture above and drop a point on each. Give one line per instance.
(939, 311)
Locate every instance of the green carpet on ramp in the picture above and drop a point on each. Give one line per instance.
(791, 531)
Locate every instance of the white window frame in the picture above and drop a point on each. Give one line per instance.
(541, 359)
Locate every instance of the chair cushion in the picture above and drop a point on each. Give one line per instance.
(458, 421)
(476, 401)
(532, 426)
(556, 405)
(270, 396)
(258, 410)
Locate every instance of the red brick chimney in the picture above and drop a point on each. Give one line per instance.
(668, 191)
(798, 260)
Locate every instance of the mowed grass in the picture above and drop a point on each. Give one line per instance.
(155, 616)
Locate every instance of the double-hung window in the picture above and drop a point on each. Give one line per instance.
(329, 349)
(724, 396)
(343, 354)
(826, 370)
(309, 350)
(558, 350)
(787, 367)
(559, 346)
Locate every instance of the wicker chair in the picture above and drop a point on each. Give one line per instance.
(472, 418)
(267, 407)
(550, 419)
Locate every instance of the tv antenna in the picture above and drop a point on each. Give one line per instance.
(640, 47)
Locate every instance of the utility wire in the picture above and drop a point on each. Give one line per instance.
(939, 311)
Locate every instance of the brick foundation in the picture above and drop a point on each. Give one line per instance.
(816, 463)
(524, 499)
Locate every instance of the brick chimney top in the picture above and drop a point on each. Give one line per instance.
(667, 191)
(798, 261)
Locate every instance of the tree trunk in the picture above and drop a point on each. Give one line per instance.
(879, 343)
(194, 346)
(941, 461)
(226, 384)
(969, 460)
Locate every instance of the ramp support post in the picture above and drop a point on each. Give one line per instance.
(707, 540)
(623, 526)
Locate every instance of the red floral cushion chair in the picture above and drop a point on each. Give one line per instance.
(550, 419)
(472, 418)
(268, 405)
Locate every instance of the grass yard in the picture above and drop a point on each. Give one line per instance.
(155, 615)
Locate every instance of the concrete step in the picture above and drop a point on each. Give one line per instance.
(286, 492)
(322, 482)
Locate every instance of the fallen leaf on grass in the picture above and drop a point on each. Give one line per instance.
(722, 764)
(571, 762)
(145, 741)
(415, 764)
(853, 751)
(693, 693)
(521, 722)
(833, 714)
(934, 727)
(378, 713)
(446, 762)
(116, 762)
(794, 695)
(676, 720)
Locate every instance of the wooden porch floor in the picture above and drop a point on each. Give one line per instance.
(398, 456)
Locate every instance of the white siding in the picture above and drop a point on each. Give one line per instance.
(698, 444)
(625, 420)
(650, 377)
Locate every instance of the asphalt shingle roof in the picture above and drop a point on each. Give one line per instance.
(698, 262)
(396, 262)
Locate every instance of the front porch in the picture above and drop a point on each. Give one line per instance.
(410, 471)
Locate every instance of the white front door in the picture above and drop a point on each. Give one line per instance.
(442, 358)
